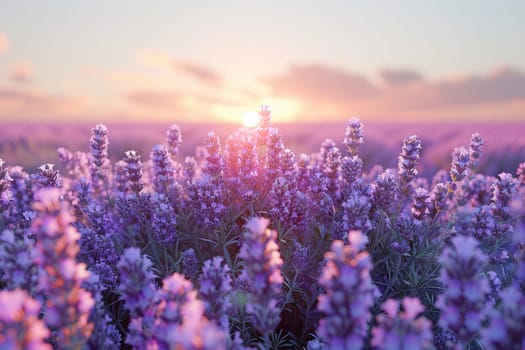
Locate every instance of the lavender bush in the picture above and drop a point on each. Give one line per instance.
(248, 245)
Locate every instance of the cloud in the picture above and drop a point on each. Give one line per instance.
(15, 103)
(156, 99)
(4, 43)
(321, 83)
(400, 77)
(174, 100)
(21, 72)
(500, 86)
(201, 73)
(337, 93)
(162, 60)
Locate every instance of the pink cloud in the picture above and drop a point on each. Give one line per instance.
(400, 76)
(200, 73)
(16, 103)
(156, 99)
(321, 83)
(338, 93)
(500, 86)
(21, 72)
(4, 43)
(162, 60)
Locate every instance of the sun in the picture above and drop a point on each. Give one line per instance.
(250, 119)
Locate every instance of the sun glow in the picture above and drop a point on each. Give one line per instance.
(250, 119)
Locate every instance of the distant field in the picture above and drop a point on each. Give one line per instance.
(30, 145)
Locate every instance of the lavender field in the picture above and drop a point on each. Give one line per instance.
(32, 144)
(294, 236)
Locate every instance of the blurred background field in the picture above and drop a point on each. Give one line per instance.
(32, 144)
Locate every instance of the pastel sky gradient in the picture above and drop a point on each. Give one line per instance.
(196, 61)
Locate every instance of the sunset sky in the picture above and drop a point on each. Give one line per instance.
(196, 61)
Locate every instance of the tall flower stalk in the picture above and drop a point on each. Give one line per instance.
(67, 305)
(349, 294)
(463, 303)
(262, 275)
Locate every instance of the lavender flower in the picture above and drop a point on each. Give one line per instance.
(98, 218)
(356, 209)
(190, 264)
(48, 176)
(353, 136)
(349, 294)
(20, 326)
(503, 192)
(505, 329)
(99, 253)
(163, 172)
(475, 149)
(98, 146)
(81, 195)
(460, 164)
(214, 166)
(289, 206)
(351, 170)
(76, 163)
(289, 165)
(5, 193)
(321, 202)
(385, 190)
(262, 273)
(303, 171)
(483, 224)
(22, 196)
(200, 155)
(408, 160)
(463, 303)
(17, 262)
(478, 190)
(274, 151)
(420, 203)
(136, 282)
(207, 201)
(248, 165)
(105, 335)
(401, 328)
(180, 321)
(174, 139)
(231, 161)
(495, 286)
(438, 199)
(67, 304)
(265, 115)
(106, 273)
(134, 172)
(332, 168)
(408, 227)
(138, 291)
(214, 290)
(163, 220)
(520, 174)
(120, 180)
(300, 257)
(190, 168)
